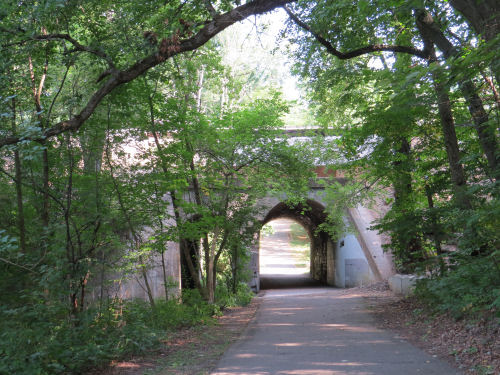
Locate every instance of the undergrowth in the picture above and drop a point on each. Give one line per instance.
(465, 290)
(225, 298)
(43, 339)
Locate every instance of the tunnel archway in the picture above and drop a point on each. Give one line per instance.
(284, 248)
(310, 215)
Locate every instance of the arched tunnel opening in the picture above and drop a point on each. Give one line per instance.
(292, 252)
(285, 248)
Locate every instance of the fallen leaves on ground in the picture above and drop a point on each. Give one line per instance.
(471, 344)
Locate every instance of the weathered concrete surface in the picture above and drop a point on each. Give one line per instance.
(403, 284)
(381, 263)
(316, 331)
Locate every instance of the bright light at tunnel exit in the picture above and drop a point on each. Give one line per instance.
(284, 249)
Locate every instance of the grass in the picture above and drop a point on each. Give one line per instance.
(299, 241)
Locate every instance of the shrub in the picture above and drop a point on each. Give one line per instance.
(468, 288)
(43, 339)
(225, 298)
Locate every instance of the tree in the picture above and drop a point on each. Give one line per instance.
(181, 35)
(422, 128)
(374, 32)
(231, 162)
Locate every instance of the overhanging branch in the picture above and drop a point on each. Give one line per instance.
(167, 49)
(77, 46)
(359, 51)
(210, 8)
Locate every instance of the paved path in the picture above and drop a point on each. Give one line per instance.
(316, 331)
(277, 256)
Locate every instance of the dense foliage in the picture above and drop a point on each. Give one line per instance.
(179, 154)
(123, 130)
(410, 90)
(41, 340)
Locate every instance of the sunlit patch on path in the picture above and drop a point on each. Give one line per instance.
(279, 255)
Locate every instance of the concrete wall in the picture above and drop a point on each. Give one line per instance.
(133, 286)
(371, 242)
(254, 282)
(331, 262)
(351, 265)
(130, 284)
(353, 259)
(403, 284)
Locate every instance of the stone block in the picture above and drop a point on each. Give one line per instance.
(403, 284)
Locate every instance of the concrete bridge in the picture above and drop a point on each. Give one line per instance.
(350, 259)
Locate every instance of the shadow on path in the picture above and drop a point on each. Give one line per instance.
(287, 281)
(322, 331)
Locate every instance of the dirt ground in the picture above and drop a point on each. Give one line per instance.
(471, 346)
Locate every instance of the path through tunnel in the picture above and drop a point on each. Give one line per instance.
(291, 252)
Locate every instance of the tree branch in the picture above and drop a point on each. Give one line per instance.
(77, 45)
(210, 8)
(357, 52)
(17, 265)
(33, 187)
(57, 94)
(167, 49)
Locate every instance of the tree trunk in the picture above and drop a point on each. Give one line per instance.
(234, 268)
(144, 273)
(192, 167)
(485, 133)
(484, 17)
(210, 267)
(69, 245)
(199, 203)
(402, 184)
(435, 229)
(92, 144)
(447, 125)
(218, 254)
(164, 271)
(45, 204)
(403, 195)
(451, 143)
(210, 281)
(19, 188)
(492, 87)
(182, 242)
(135, 236)
(37, 92)
(163, 247)
(199, 84)
(188, 259)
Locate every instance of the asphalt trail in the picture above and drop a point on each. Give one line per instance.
(316, 331)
